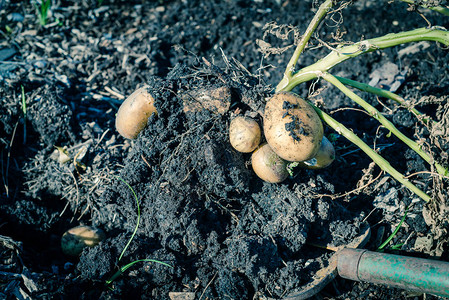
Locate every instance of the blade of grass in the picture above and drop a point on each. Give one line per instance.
(43, 11)
(393, 234)
(126, 267)
(24, 111)
(138, 218)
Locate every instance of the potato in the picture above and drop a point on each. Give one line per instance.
(133, 114)
(76, 239)
(244, 134)
(324, 157)
(268, 165)
(292, 127)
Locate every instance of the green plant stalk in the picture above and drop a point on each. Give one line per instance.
(346, 52)
(126, 267)
(138, 218)
(384, 121)
(379, 160)
(322, 11)
(393, 234)
(24, 111)
(382, 93)
(43, 11)
(441, 9)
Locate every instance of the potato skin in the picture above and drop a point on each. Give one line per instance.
(244, 134)
(324, 157)
(134, 112)
(76, 239)
(292, 127)
(268, 165)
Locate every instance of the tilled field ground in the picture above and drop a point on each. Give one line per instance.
(225, 233)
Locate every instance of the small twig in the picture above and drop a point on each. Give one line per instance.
(441, 9)
(349, 108)
(114, 93)
(208, 284)
(77, 193)
(427, 172)
(146, 162)
(333, 197)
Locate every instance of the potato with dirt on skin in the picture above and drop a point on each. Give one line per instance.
(76, 239)
(244, 134)
(292, 127)
(134, 112)
(324, 157)
(268, 165)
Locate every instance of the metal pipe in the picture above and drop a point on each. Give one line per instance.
(409, 273)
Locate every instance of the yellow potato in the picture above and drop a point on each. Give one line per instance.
(134, 112)
(244, 134)
(324, 157)
(76, 239)
(292, 127)
(268, 165)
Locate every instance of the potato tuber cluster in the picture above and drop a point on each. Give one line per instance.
(293, 133)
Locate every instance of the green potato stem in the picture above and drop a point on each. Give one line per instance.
(384, 121)
(344, 53)
(322, 11)
(383, 93)
(320, 68)
(379, 160)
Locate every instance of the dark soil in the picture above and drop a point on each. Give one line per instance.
(226, 233)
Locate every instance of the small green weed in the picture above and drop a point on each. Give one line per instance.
(43, 10)
(393, 234)
(127, 266)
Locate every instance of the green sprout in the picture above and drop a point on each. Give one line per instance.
(127, 266)
(24, 111)
(8, 29)
(290, 167)
(321, 68)
(43, 11)
(393, 234)
(138, 218)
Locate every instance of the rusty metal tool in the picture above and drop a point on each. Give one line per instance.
(409, 273)
(325, 275)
